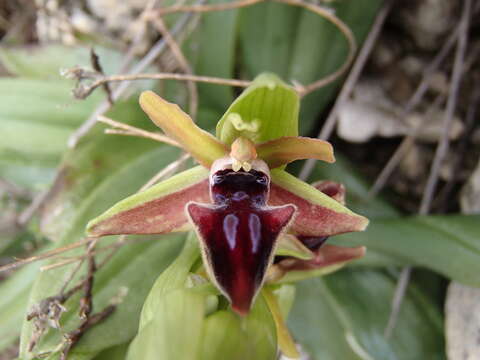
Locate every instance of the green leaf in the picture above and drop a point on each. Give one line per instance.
(266, 110)
(43, 108)
(118, 352)
(214, 58)
(14, 293)
(447, 244)
(129, 274)
(175, 330)
(223, 332)
(135, 266)
(267, 34)
(343, 316)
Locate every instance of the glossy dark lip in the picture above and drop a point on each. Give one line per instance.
(238, 232)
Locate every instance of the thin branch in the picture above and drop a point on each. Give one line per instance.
(352, 44)
(73, 337)
(134, 131)
(27, 214)
(95, 61)
(470, 117)
(167, 171)
(443, 145)
(13, 189)
(46, 255)
(400, 290)
(433, 66)
(82, 92)
(185, 66)
(440, 153)
(100, 80)
(400, 152)
(392, 163)
(202, 8)
(350, 82)
(141, 66)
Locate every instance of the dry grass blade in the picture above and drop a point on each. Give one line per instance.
(177, 52)
(134, 131)
(443, 145)
(100, 80)
(46, 255)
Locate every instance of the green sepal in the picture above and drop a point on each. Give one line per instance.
(317, 213)
(157, 210)
(266, 110)
(289, 245)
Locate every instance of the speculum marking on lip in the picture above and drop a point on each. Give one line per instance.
(238, 232)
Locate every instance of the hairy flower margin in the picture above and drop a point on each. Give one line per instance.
(255, 222)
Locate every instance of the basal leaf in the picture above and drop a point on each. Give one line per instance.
(343, 316)
(447, 244)
(267, 34)
(136, 269)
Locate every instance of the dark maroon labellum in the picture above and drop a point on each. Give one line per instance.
(239, 232)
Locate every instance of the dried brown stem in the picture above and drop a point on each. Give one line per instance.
(185, 66)
(202, 8)
(352, 44)
(45, 255)
(82, 92)
(440, 153)
(470, 117)
(95, 61)
(443, 145)
(134, 131)
(86, 306)
(104, 106)
(100, 80)
(73, 337)
(350, 82)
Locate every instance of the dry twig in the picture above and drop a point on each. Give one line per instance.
(185, 66)
(440, 153)
(350, 82)
(142, 65)
(124, 129)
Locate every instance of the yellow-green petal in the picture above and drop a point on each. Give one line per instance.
(286, 149)
(202, 145)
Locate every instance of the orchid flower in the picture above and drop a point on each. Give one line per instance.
(242, 204)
